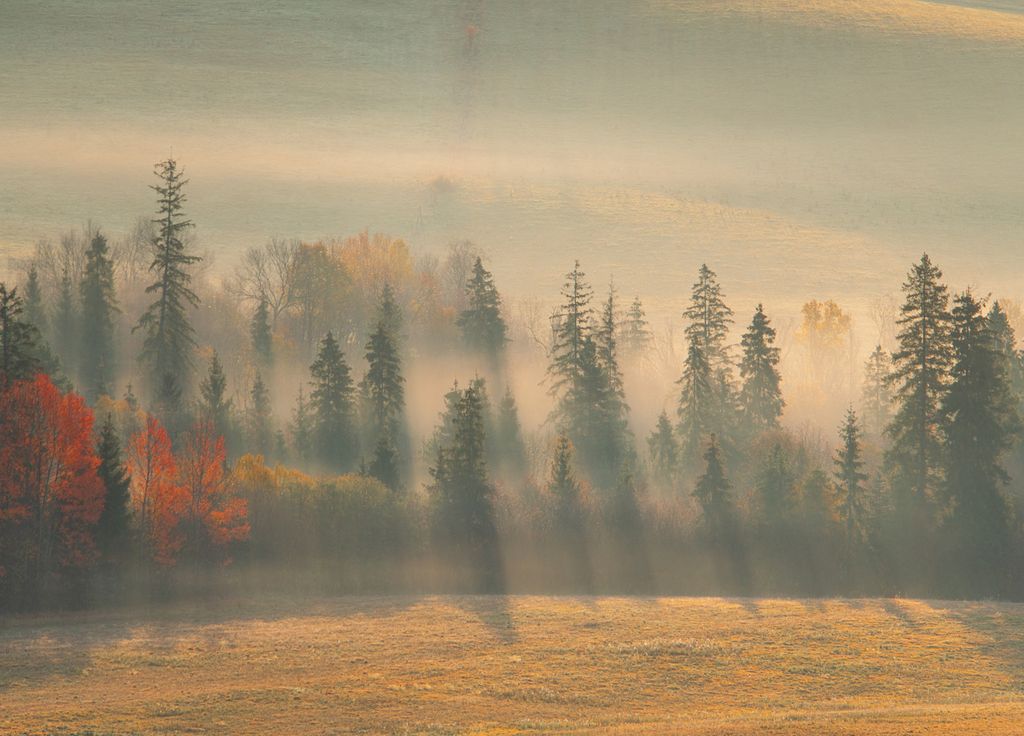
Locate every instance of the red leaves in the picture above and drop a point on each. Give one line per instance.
(49, 490)
(158, 501)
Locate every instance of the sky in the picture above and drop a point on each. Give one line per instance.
(803, 149)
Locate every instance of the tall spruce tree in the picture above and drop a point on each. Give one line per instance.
(1006, 344)
(664, 450)
(65, 325)
(919, 378)
(464, 497)
(697, 409)
(97, 351)
(509, 437)
(332, 402)
(572, 324)
(383, 386)
(981, 421)
(876, 395)
(712, 492)
(385, 463)
(301, 428)
(482, 325)
(215, 406)
(35, 310)
(775, 487)
(19, 339)
(851, 497)
(169, 341)
(261, 336)
(564, 487)
(113, 532)
(260, 429)
(636, 333)
(760, 397)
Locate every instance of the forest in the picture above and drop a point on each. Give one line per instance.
(169, 431)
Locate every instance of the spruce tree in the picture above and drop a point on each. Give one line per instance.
(1006, 344)
(35, 310)
(482, 325)
(169, 341)
(981, 422)
(261, 336)
(564, 488)
(709, 321)
(19, 339)
(301, 428)
(509, 437)
(97, 352)
(851, 503)
(113, 528)
(215, 406)
(332, 402)
(65, 325)
(636, 333)
(384, 466)
(919, 378)
(383, 386)
(261, 433)
(760, 397)
(697, 405)
(712, 493)
(876, 401)
(664, 450)
(775, 483)
(572, 324)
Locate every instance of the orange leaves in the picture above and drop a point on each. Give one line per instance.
(50, 492)
(184, 503)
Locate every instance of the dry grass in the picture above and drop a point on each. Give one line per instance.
(519, 665)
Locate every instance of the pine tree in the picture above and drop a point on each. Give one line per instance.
(384, 466)
(850, 494)
(712, 493)
(760, 397)
(261, 336)
(775, 486)
(383, 386)
(709, 320)
(301, 428)
(509, 437)
(463, 495)
(65, 324)
(97, 352)
(35, 311)
(483, 328)
(572, 324)
(664, 450)
(981, 422)
(215, 406)
(18, 340)
(697, 405)
(564, 488)
(332, 400)
(636, 333)
(1006, 344)
(390, 314)
(113, 529)
(169, 337)
(919, 377)
(261, 433)
(876, 395)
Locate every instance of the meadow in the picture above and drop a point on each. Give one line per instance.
(518, 664)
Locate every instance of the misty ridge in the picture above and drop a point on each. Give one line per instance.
(350, 415)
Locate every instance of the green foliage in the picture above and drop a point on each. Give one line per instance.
(19, 339)
(664, 450)
(97, 351)
(383, 385)
(261, 336)
(169, 340)
(113, 537)
(483, 328)
(215, 406)
(65, 324)
(508, 438)
(876, 396)
(301, 429)
(333, 407)
(850, 495)
(775, 486)
(760, 397)
(260, 429)
(712, 492)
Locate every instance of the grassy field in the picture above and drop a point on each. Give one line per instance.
(501, 665)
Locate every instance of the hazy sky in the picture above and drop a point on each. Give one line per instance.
(803, 149)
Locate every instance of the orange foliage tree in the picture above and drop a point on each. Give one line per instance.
(50, 494)
(158, 501)
(214, 515)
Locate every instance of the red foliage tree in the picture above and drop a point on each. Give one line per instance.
(214, 516)
(50, 494)
(159, 503)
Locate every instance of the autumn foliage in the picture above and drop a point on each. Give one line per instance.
(158, 501)
(50, 493)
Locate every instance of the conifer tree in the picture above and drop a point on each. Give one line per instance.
(775, 486)
(876, 401)
(1006, 345)
(65, 323)
(19, 355)
(384, 466)
(636, 333)
(851, 504)
(169, 341)
(482, 325)
(261, 336)
(760, 397)
(816, 501)
(35, 311)
(572, 324)
(301, 428)
(463, 495)
(261, 433)
(113, 533)
(564, 488)
(919, 378)
(664, 449)
(712, 493)
(97, 352)
(709, 321)
(389, 313)
(509, 437)
(981, 422)
(697, 405)
(332, 401)
(383, 386)
(215, 406)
